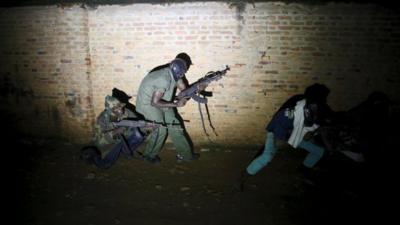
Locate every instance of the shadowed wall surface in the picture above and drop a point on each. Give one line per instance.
(59, 62)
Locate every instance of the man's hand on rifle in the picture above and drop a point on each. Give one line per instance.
(202, 86)
(151, 125)
(181, 102)
(117, 131)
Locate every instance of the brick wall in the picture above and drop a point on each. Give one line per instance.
(46, 86)
(58, 64)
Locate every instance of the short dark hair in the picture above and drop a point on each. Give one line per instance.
(317, 93)
(185, 57)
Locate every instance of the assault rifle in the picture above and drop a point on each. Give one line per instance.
(193, 90)
(136, 123)
(142, 123)
(131, 123)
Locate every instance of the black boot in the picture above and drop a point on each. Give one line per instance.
(305, 171)
(244, 176)
(88, 153)
(180, 158)
(308, 174)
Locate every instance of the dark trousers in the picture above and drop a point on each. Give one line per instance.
(132, 141)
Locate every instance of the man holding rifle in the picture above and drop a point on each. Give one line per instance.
(155, 101)
(110, 139)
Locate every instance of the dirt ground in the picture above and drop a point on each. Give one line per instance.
(52, 186)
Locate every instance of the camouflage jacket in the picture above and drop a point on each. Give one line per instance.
(103, 137)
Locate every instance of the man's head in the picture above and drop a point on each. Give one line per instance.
(317, 93)
(178, 68)
(185, 58)
(114, 106)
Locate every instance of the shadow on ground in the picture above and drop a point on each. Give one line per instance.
(51, 185)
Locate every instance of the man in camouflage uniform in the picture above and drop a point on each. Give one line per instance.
(109, 141)
(155, 101)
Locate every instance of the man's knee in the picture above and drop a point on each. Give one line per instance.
(159, 134)
(320, 151)
(317, 150)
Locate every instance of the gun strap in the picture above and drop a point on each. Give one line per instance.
(202, 120)
(209, 120)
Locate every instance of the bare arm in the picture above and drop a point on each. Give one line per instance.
(157, 101)
(181, 85)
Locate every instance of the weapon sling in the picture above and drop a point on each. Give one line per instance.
(209, 120)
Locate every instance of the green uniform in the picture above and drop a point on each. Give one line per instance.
(161, 80)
